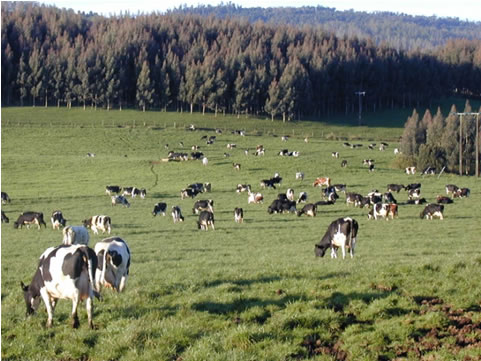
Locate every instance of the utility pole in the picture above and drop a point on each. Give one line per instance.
(360, 93)
(461, 141)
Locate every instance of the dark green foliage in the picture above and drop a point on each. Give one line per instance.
(431, 156)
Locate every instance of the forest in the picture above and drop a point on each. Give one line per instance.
(188, 62)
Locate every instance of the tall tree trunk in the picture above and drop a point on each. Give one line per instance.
(191, 108)
(215, 111)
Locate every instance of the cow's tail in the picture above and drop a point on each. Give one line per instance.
(91, 266)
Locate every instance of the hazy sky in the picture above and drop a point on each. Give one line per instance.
(462, 9)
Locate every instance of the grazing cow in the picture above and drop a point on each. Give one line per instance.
(389, 198)
(133, 192)
(231, 146)
(268, 183)
(159, 208)
(346, 144)
(206, 219)
(344, 163)
(299, 175)
(302, 198)
(5, 198)
(413, 186)
(285, 138)
(63, 272)
(290, 194)
(371, 146)
(324, 203)
(75, 235)
(4, 218)
(414, 193)
(203, 205)
(120, 200)
(112, 189)
(340, 188)
(429, 171)
(236, 166)
(195, 148)
(353, 198)
(178, 156)
(260, 150)
(238, 215)
(394, 187)
(451, 189)
(90, 155)
(282, 206)
(309, 210)
(96, 223)
(205, 161)
(218, 131)
(255, 197)
(294, 153)
(28, 218)
(197, 155)
(284, 152)
(443, 200)
(189, 192)
(322, 181)
(382, 147)
(368, 161)
(332, 196)
(277, 179)
(411, 170)
(340, 233)
(417, 201)
(335, 154)
(212, 138)
(379, 210)
(177, 214)
(113, 263)
(57, 220)
(199, 187)
(462, 193)
(243, 188)
(432, 210)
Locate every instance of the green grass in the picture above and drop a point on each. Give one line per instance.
(251, 291)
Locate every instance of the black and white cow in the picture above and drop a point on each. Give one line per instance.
(197, 155)
(443, 200)
(189, 192)
(120, 200)
(28, 218)
(203, 205)
(335, 154)
(340, 233)
(206, 220)
(159, 208)
(379, 210)
(389, 198)
(410, 170)
(412, 186)
(113, 263)
(309, 210)
(451, 189)
(243, 188)
(112, 189)
(268, 183)
(414, 193)
(177, 214)
(462, 193)
(75, 235)
(344, 163)
(432, 210)
(394, 187)
(5, 198)
(302, 198)
(340, 188)
(353, 198)
(255, 197)
(139, 192)
(63, 272)
(57, 220)
(290, 194)
(417, 201)
(99, 223)
(4, 218)
(238, 215)
(282, 206)
(429, 171)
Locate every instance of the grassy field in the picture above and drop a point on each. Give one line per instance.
(251, 291)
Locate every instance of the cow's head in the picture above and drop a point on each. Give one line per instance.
(15, 225)
(31, 301)
(86, 223)
(422, 214)
(320, 250)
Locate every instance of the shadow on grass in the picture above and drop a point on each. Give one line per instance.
(339, 300)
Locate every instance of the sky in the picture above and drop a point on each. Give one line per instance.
(462, 9)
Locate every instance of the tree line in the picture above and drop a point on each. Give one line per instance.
(185, 62)
(434, 141)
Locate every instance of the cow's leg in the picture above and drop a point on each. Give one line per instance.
(353, 244)
(90, 307)
(123, 280)
(48, 306)
(75, 301)
(343, 251)
(213, 228)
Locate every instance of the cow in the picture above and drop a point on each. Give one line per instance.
(389, 198)
(346, 144)
(128, 191)
(196, 155)
(397, 151)
(113, 263)
(322, 181)
(268, 183)
(294, 153)
(189, 192)
(243, 188)
(28, 218)
(340, 188)
(282, 197)
(309, 210)
(290, 194)
(277, 179)
(236, 166)
(203, 205)
(63, 272)
(413, 186)
(285, 138)
(195, 148)
(344, 163)
(451, 189)
(139, 192)
(414, 193)
(394, 187)
(238, 215)
(335, 154)
(112, 189)
(432, 210)
(159, 208)
(324, 203)
(353, 198)
(443, 200)
(120, 200)
(231, 146)
(282, 206)
(5, 198)
(417, 201)
(200, 187)
(368, 162)
(4, 218)
(205, 161)
(341, 233)
(392, 210)
(260, 150)
(429, 171)
(410, 170)
(462, 193)
(206, 219)
(302, 197)
(299, 175)
(75, 235)
(379, 210)
(96, 223)
(177, 214)
(57, 220)
(255, 197)
(91, 155)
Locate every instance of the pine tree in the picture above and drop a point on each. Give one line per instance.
(144, 87)
(435, 130)
(273, 102)
(409, 146)
(37, 72)
(450, 140)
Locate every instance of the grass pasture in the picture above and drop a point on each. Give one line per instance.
(251, 291)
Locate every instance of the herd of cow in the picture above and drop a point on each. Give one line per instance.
(76, 272)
